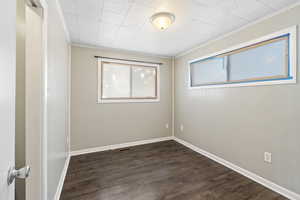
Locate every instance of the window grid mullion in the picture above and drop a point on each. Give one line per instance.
(131, 81)
(228, 68)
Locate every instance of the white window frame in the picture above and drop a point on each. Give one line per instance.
(292, 31)
(138, 100)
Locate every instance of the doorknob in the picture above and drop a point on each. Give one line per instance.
(22, 173)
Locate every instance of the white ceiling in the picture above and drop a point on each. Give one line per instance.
(124, 24)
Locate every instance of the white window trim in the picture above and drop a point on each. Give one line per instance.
(292, 65)
(101, 101)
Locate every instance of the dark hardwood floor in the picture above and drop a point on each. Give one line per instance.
(159, 171)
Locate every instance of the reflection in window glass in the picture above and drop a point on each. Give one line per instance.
(267, 61)
(213, 70)
(115, 81)
(143, 82)
(126, 81)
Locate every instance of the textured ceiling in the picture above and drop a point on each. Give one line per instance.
(124, 24)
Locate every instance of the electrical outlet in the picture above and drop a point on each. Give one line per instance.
(181, 127)
(268, 157)
(167, 126)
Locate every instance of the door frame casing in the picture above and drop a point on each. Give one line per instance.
(44, 99)
(42, 177)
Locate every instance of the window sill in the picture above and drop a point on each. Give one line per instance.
(128, 101)
(289, 80)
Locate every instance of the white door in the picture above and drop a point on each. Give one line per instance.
(7, 95)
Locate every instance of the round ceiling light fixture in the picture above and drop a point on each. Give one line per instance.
(162, 20)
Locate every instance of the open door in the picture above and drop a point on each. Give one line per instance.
(7, 97)
(34, 65)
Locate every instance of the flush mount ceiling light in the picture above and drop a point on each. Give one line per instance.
(162, 20)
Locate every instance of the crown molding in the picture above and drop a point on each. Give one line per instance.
(63, 21)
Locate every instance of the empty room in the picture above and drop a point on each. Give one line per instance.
(150, 100)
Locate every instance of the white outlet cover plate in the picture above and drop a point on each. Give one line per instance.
(268, 157)
(181, 127)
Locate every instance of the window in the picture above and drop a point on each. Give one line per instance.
(124, 81)
(269, 60)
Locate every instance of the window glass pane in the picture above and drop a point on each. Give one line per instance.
(115, 80)
(269, 60)
(212, 70)
(143, 82)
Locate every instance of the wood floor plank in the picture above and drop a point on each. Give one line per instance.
(159, 171)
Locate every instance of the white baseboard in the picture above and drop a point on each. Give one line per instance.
(281, 190)
(62, 179)
(119, 146)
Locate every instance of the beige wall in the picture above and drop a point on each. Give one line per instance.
(95, 125)
(240, 124)
(57, 98)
